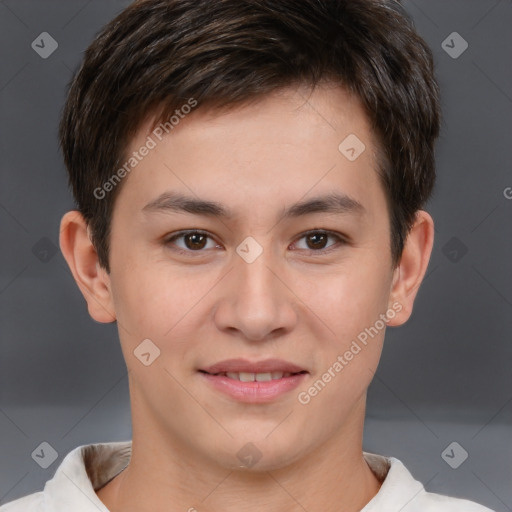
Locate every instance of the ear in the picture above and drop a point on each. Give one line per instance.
(409, 274)
(91, 278)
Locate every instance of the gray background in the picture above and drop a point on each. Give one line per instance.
(444, 376)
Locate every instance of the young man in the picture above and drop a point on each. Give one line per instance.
(250, 177)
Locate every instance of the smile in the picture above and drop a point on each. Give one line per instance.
(255, 377)
(253, 382)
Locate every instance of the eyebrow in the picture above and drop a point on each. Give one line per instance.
(334, 203)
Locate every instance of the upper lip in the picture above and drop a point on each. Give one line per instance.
(243, 365)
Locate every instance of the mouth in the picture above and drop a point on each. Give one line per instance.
(245, 367)
(258, 382)
(255, 377)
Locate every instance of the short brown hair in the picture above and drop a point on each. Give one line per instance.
(157, 54)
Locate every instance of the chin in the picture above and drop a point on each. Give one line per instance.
(260, 455)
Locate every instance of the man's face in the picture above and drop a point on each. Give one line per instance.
(253, 286)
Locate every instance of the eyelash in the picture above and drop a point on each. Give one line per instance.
(339, 238)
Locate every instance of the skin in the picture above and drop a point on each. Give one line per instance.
(292, 303)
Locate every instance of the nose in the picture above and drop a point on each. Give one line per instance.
(256, 302)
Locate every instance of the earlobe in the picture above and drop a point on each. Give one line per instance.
(81, 256)
(409, 274)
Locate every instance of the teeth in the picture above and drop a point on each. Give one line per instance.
(263, 377)
(256, 377)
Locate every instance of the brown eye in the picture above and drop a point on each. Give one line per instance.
(195, 241)
(317, 240)
(190, 242)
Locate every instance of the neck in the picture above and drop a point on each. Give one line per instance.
(164, 477)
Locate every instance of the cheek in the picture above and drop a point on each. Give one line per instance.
(350, 304)
(348, 301)
(156, 301)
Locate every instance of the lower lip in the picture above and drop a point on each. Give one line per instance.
(254, 392)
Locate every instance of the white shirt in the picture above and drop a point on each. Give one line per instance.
(88, 467)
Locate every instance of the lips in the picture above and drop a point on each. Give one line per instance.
(244, 366)
(254, 382)
(255, 377)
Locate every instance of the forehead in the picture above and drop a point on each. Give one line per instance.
(288, 144)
